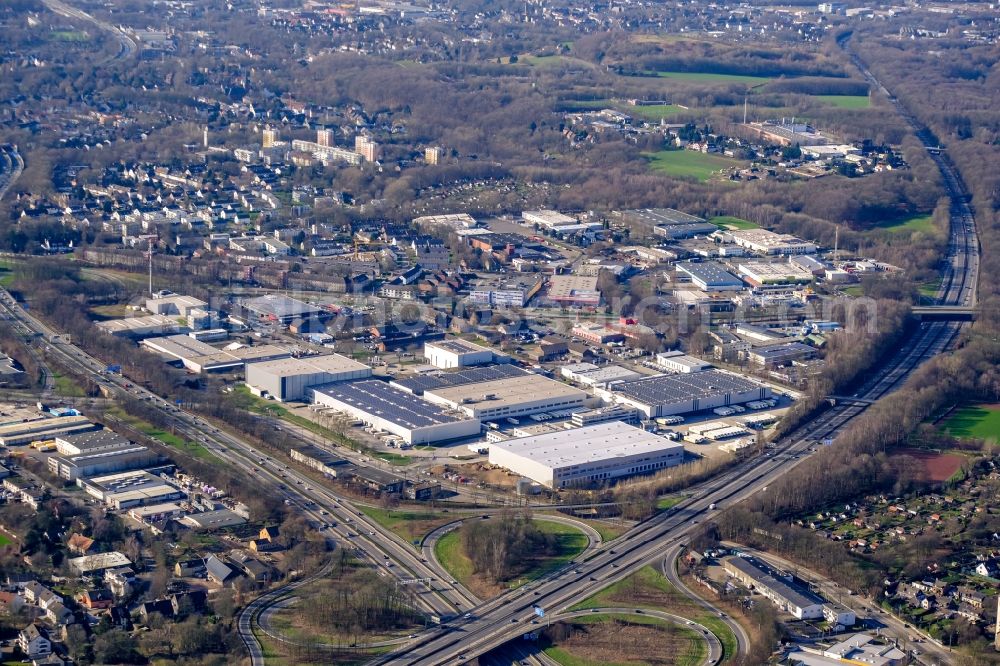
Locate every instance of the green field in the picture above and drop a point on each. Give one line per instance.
(654, 111)
(647, 588)
(689, 163)
(708, 77)
(846, 101)
(192, 448)
(928, 290)
(66, 386)
(70, 36)
(974, 422)
(5, 540)
(917, 223)
(732, 222)
(694, 655)
(407, 523)
(571, 542)
(668, 502)
(545, 61)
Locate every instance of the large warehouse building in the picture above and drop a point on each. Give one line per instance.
(456, 353)
(424, 381)
(587, 456)
(391, 409)
(287, 379)
(665, 395)
(198, 356)
(509, 397)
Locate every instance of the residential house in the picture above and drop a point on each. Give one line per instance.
(59, 615)
(252, 568)
(264, 546)
(193, 601)
(19, 580)
(988, 569)
(120, 580)
(121, 618)
(80, 544)
(98, 599)
(219, 572)
(34, 642)
(161, 606)
(190, 568)
(41, 596)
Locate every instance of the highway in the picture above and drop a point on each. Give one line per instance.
(13, 166)
(481, 627)
(126, 45)
(340, 521)
(490, 627)
(669, 568)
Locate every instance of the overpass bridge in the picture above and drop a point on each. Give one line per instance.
(945, 313)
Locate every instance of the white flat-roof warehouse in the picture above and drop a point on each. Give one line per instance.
(199, 356)
(587, 456)
(394, 410)
(665, 395)
(456, 353)
(511, 396)
(287, 379)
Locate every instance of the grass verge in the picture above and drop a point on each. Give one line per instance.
(730, 222)
(695, 652)
(647, 588)
(570, 542)
(246, 400)
(410, 524)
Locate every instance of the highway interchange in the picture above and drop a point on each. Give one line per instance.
(457, 642)
(481, 627)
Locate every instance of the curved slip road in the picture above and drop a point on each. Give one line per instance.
(430, 540)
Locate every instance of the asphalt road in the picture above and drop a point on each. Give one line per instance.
(931, 652)
(669, 568)
(126, 45)
(387, 552)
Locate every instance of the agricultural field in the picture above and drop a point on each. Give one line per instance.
(709, 77)
(690, 164)
(974, 422)
(917, 223)
(846, 101)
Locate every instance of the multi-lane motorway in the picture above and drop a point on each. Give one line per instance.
(340, 521)
(126, 45)
(456, 642)
(13, 165)
(481, 627)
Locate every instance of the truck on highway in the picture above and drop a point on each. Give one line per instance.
(711, 507)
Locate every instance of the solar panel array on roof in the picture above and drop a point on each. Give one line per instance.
(667, 389)
(429, 382)
(388, 402)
